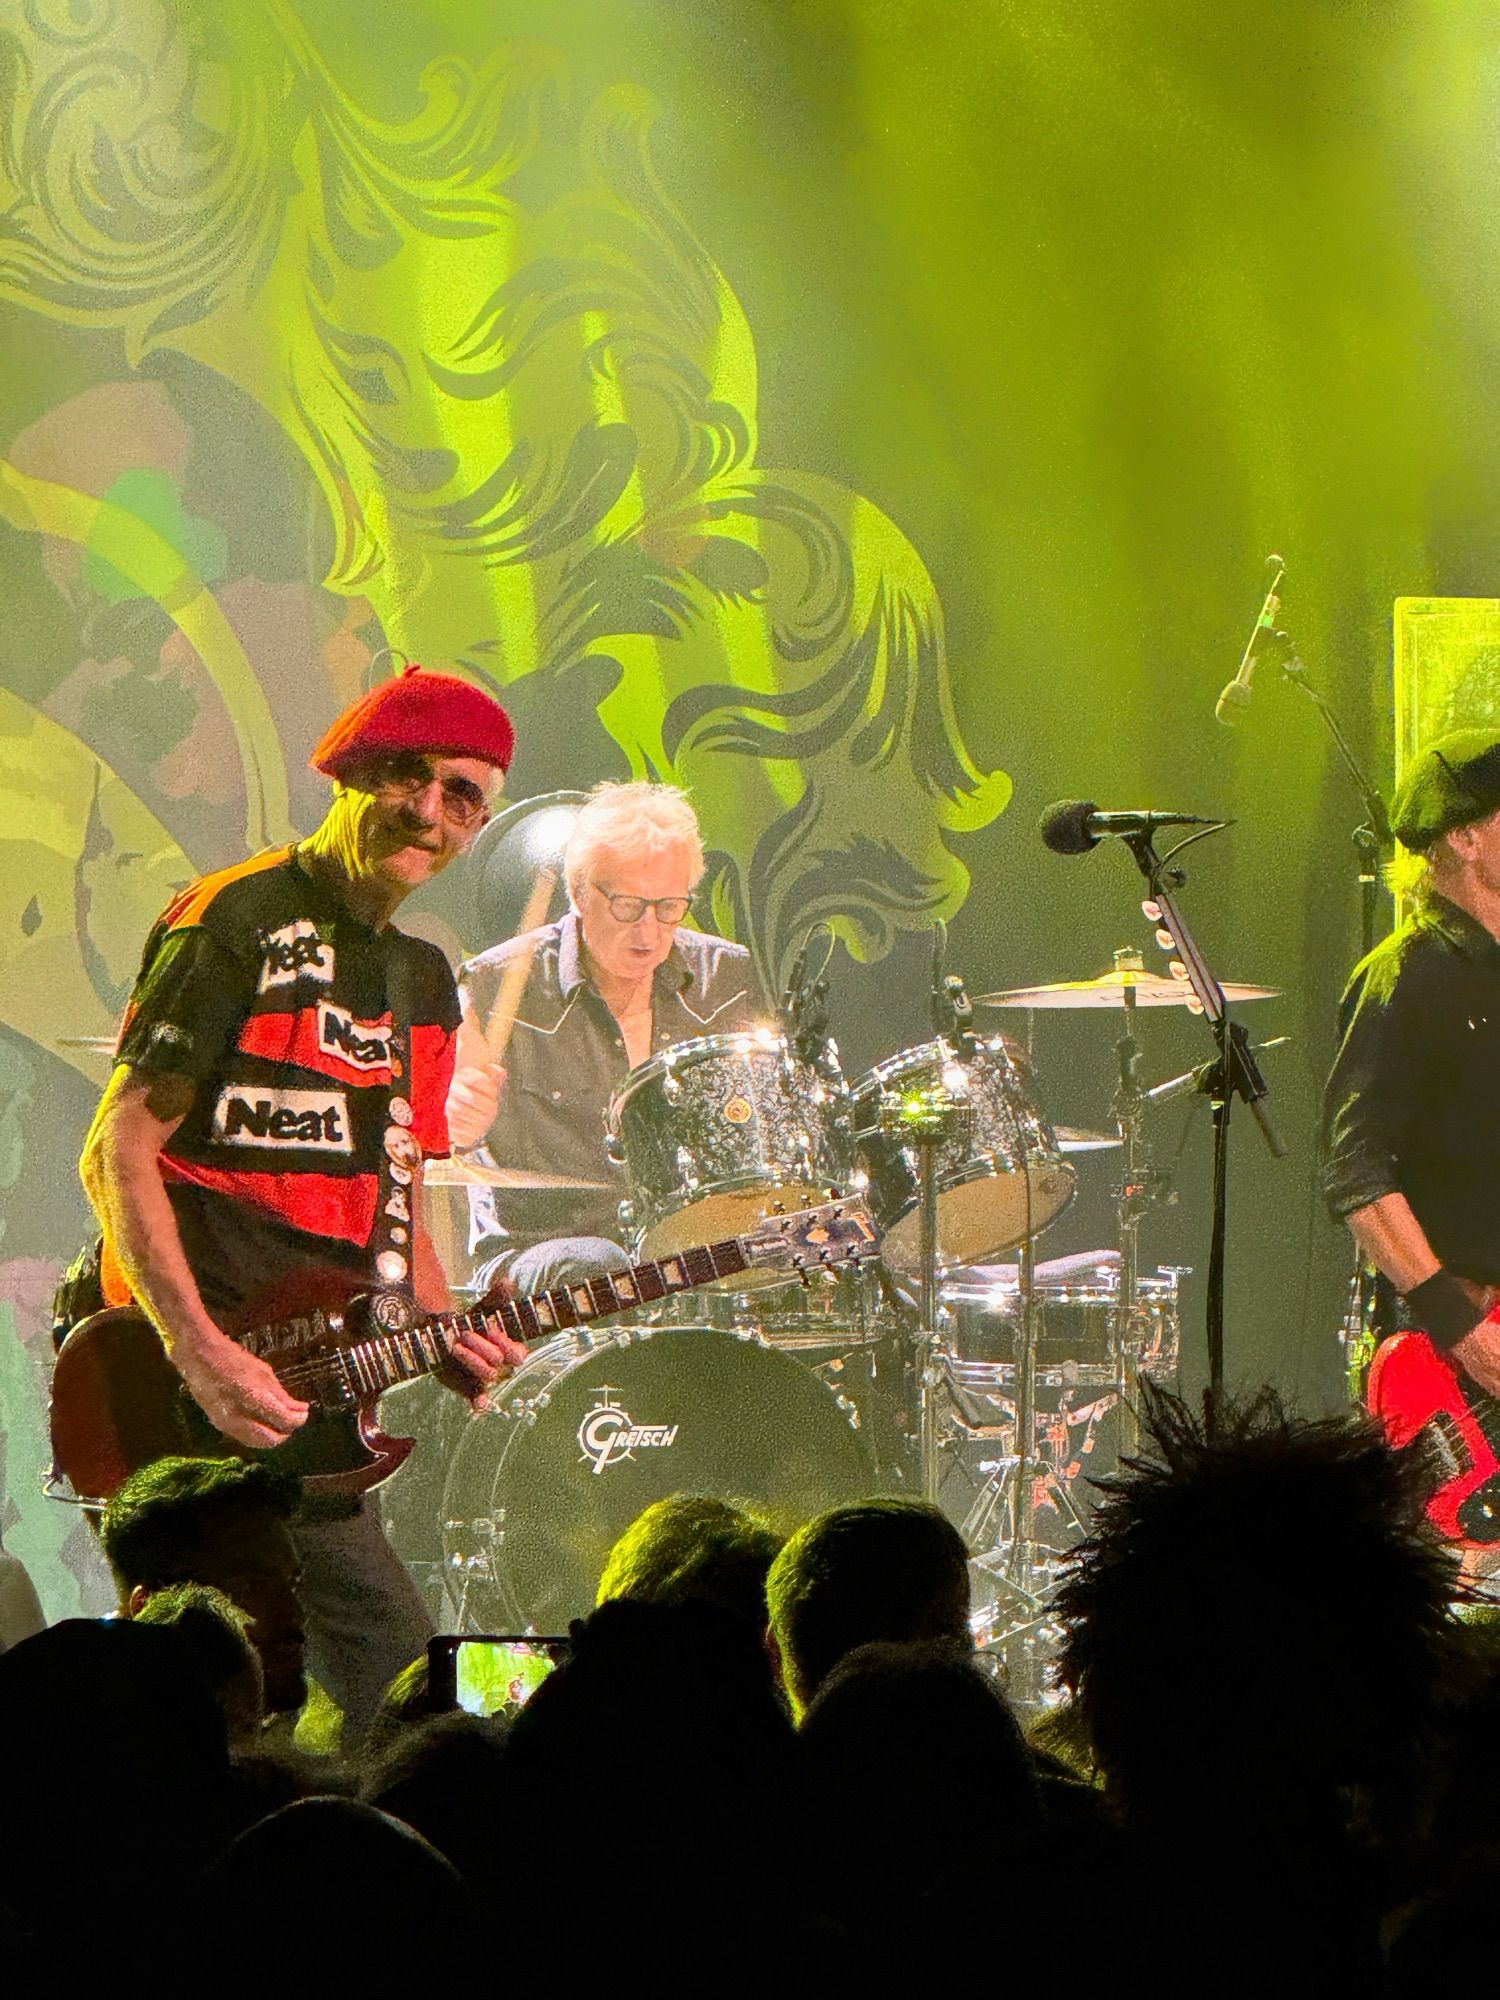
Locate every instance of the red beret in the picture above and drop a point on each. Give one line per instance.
(436, 713)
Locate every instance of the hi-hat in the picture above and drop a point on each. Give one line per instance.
(1148, 989)
(472, 1173)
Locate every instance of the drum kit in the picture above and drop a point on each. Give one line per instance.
(994, 1388)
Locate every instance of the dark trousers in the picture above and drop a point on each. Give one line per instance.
(365, 1617)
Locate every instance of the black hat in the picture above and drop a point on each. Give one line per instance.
(1450, 784)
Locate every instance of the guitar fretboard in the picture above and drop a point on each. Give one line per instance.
(385, 1360)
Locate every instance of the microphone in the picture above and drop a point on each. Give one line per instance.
(1073, 826)
(1236, 694)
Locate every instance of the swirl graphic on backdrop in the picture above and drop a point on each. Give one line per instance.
(530, 419)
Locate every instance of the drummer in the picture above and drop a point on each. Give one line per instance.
(619, 977)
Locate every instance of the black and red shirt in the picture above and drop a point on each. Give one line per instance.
(322, 1050)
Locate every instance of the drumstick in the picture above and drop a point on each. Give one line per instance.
(518, 969)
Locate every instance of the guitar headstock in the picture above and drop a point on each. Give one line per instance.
(828, 1236)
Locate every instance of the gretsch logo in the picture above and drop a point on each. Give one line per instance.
(295, 952)
(361, 1044)
(607, 1436)
(304, 1120)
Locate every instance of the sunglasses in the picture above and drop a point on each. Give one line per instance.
(408, 778)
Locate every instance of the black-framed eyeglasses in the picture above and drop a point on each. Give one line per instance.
(408, 776)
(670, 910)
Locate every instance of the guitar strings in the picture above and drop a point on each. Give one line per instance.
(313, 1371)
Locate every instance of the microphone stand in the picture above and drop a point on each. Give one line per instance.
(1234, 1073)
(1373, 839)
(1373, 845)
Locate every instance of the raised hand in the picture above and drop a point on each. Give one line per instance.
(473, 1101)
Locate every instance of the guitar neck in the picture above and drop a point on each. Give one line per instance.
(385, 1360)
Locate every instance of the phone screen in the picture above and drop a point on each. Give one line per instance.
(490, 1674)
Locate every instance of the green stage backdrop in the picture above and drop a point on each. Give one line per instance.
(872, 415)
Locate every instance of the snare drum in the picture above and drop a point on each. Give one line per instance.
(713, 1132)
(1003, 1180)
(595, 1428)
(1077, 1310)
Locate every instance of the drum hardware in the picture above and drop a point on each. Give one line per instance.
(923, 1117)
(1021, 1479)
(1147, 989)
(475, 1172)
(1141, 1187)
(1073, 1139)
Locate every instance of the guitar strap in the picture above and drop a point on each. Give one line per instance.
(398, 1181)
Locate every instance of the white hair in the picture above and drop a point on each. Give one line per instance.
(631, 820)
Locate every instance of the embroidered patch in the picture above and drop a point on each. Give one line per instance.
(295, 952)
(315, 1121)
(361, 1044)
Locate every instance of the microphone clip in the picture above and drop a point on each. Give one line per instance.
(953, 1012)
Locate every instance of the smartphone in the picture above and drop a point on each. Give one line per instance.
(489, 1673)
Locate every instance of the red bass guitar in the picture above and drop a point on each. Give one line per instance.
(118, 1403)
(1424, 1402)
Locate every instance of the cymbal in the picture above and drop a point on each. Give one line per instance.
(526, 838)
(1073, 1139)
(1151, 989)
(470, 1173)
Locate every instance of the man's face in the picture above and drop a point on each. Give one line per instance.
(1477, 847)
(255, 1565)
(631, 951)
(416, 813)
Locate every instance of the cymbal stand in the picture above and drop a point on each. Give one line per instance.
(925, 1119)
(1140, 1189)
(1023, 1655)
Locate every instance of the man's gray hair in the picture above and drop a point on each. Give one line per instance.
(632, 819)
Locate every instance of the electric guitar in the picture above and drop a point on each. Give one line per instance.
(118, 1403)
(1425, 1403)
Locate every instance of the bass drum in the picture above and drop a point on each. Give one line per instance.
(594, 1429)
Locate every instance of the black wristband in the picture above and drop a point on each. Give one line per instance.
(1443, 1310)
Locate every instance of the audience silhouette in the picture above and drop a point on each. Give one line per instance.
(785, 1764)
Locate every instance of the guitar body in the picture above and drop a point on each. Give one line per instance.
(1424, 1403)
(117, 1402)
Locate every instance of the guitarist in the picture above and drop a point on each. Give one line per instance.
(1412, 1107)
(280, 1076)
